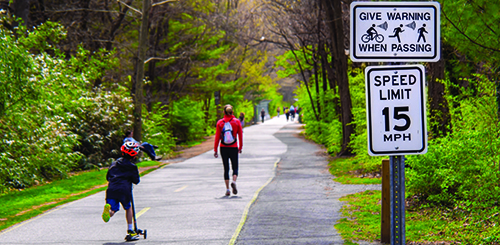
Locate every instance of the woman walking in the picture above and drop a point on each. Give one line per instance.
(226, 131)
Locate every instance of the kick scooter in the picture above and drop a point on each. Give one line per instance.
(138, 232)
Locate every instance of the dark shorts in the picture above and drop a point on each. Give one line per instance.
(115, 203)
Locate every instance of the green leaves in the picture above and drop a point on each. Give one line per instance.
(186, 120)
(52, 116)
(474, 23)
(463, 166)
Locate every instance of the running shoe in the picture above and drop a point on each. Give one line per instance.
(131, 236)
(105, 212)
(228, 193)
(233, 185)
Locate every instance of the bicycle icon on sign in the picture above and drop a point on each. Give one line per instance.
(372, 34)
(377, 37)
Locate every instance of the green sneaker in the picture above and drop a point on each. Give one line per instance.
(131, 236)
(131, 233)
(105, 212)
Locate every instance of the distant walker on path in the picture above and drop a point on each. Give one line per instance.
(242, 119)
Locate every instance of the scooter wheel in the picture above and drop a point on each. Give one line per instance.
(145, 234)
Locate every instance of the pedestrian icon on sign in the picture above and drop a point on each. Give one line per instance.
(372, 34)
(421, 32)
(398, 30)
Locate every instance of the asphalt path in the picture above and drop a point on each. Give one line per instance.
(285, 196)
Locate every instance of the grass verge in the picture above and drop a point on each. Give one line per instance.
(22, 205)
(424, 225)
(344, 170)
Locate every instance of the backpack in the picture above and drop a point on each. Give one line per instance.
(227, 137)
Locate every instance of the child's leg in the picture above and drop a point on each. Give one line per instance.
(111, 207)
(128, 216)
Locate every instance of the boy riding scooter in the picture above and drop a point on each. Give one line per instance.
(121, 175)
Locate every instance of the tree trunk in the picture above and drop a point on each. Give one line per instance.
(316, 80)
(339, 58)
(143, 34)
(439, 111)
(22, 10)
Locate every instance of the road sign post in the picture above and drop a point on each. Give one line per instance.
(395, 32)
(396, 121)
(397, 199)
(395, 95)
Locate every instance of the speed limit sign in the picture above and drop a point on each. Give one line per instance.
(395, 109)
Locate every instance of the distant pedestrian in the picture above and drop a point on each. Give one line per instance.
(242, 119)
(278, 111)
(120, 176)
(230, 135)
(292, 112)
(262, 114)
(287, 114)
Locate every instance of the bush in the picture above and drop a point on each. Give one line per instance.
(50, 108)
(460, 169)
(187, 121)
(98, 123)
(156, 129)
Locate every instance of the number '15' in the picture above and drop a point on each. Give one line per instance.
(398, 114)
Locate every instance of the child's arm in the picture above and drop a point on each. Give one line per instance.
(135, 177)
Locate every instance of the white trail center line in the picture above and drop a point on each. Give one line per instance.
(182, 188)
(137, 215)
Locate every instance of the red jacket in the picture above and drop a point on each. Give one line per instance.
(236, 125)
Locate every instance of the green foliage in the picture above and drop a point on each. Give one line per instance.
(359, 139)
(460, 170)
(471, 27)
(291, 62)
(187, 120)
(328, 130)
(362, 217)
(156, 129)
(246, 107)
(98, 119)
(349, 170)
(52, 111)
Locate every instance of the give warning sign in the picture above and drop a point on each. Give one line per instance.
(395, 31)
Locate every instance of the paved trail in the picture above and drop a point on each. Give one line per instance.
(286, 196)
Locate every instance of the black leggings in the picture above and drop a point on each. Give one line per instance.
(229, 153)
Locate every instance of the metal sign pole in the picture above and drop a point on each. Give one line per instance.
(397, 200)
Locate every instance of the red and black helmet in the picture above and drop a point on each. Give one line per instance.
(130, 149)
